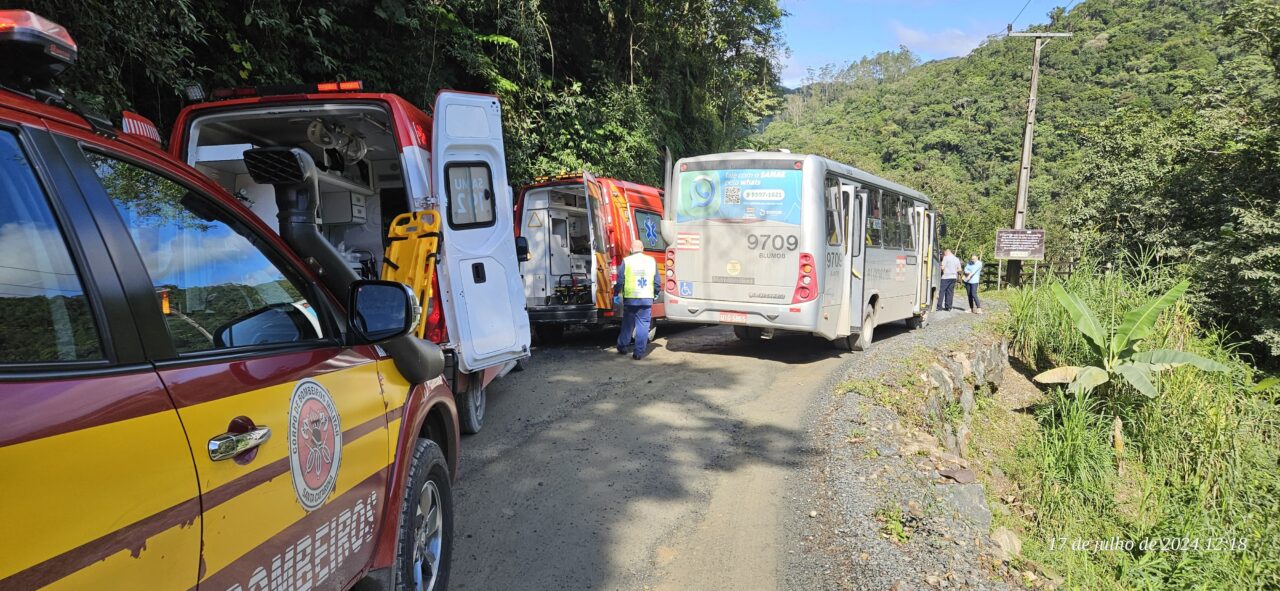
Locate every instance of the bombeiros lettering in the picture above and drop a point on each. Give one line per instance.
(312, 559)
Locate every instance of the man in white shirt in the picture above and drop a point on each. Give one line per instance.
(950, 272)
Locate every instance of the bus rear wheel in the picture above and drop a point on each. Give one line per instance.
(749, 334)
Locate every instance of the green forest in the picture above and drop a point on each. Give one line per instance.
(599, 85)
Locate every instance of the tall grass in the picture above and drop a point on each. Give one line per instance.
(1202, 462)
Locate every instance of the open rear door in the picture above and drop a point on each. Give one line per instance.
(598, 219)
(482, 293)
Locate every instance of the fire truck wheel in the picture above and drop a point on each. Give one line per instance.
(471, 405)
(426, 522)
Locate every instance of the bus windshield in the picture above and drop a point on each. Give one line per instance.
(740, 195)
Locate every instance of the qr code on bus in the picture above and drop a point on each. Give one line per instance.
(733, 195)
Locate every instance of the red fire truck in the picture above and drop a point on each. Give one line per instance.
(195, 398)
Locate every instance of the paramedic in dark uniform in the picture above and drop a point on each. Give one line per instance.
(637, 283)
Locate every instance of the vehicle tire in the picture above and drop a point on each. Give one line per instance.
(549, 333)
(748, 334)
(471, 404)
(918, 322)
(862, 340)
(521, 364)
(426, 522)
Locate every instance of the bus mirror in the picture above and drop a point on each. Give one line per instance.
(942, 227)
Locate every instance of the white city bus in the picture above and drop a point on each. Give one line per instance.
(774, 241)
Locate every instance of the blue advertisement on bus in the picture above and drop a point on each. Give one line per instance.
(740, 195)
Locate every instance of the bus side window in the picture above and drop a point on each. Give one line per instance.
(835, 218)
(853, 205)
(874, 221)
(900, 221)
(889, 214)
(909, 227)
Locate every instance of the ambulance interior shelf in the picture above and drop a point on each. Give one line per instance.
(362, 185)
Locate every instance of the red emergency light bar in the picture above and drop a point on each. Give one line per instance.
(30, 40)
(246, 91)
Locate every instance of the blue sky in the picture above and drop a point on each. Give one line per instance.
(836, 31)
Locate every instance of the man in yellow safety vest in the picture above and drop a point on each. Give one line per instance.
(637, 283)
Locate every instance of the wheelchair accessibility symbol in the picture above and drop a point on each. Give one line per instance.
(686, 289)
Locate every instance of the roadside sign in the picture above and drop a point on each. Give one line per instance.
(1022, 245)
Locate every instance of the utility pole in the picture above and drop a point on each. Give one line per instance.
(1014, 268)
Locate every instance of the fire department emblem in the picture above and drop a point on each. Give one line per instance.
(315, 443)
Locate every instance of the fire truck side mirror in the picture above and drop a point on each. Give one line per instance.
(522, 249)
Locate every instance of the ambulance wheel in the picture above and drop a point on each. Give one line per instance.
(749, 334)
(862, 340)
(426, 522)
(549, 333)
(471, 404)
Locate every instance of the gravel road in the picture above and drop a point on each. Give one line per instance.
(694, 468)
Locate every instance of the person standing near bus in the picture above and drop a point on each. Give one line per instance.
(972, 271)
(950, 272)
(636, 285)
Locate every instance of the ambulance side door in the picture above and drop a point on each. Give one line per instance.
(482, 292)
(286, 424)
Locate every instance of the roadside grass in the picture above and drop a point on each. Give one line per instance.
(1197, 489)
(893, 525)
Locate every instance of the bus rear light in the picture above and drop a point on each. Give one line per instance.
(671, 273)
(671, 286)
(807, 281)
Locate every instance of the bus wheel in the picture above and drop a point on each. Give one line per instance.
(862, 340)
(471, 404)
(747, 333)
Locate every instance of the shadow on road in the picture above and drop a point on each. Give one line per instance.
(589, 457)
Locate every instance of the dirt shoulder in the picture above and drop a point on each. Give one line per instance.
(885, 504)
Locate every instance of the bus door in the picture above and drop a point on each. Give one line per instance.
(923, 222)
(481, 289)
(835, 263)
(855, 204)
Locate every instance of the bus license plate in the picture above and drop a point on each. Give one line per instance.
(733, 317)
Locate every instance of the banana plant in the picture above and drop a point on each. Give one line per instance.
(1117, 349)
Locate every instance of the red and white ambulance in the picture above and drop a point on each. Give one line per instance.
(378, 156)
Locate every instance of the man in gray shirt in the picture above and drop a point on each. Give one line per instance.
(950, 272)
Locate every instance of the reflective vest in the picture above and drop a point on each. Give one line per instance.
(638, 272)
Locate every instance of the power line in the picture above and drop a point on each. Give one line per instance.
(1024, 8)
(1015, 18)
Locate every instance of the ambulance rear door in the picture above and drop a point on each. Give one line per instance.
(482, 292)
(598, 219)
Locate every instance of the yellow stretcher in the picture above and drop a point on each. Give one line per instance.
(411, 257)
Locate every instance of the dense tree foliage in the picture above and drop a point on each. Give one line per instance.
(1156, 137)
(598, 84)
